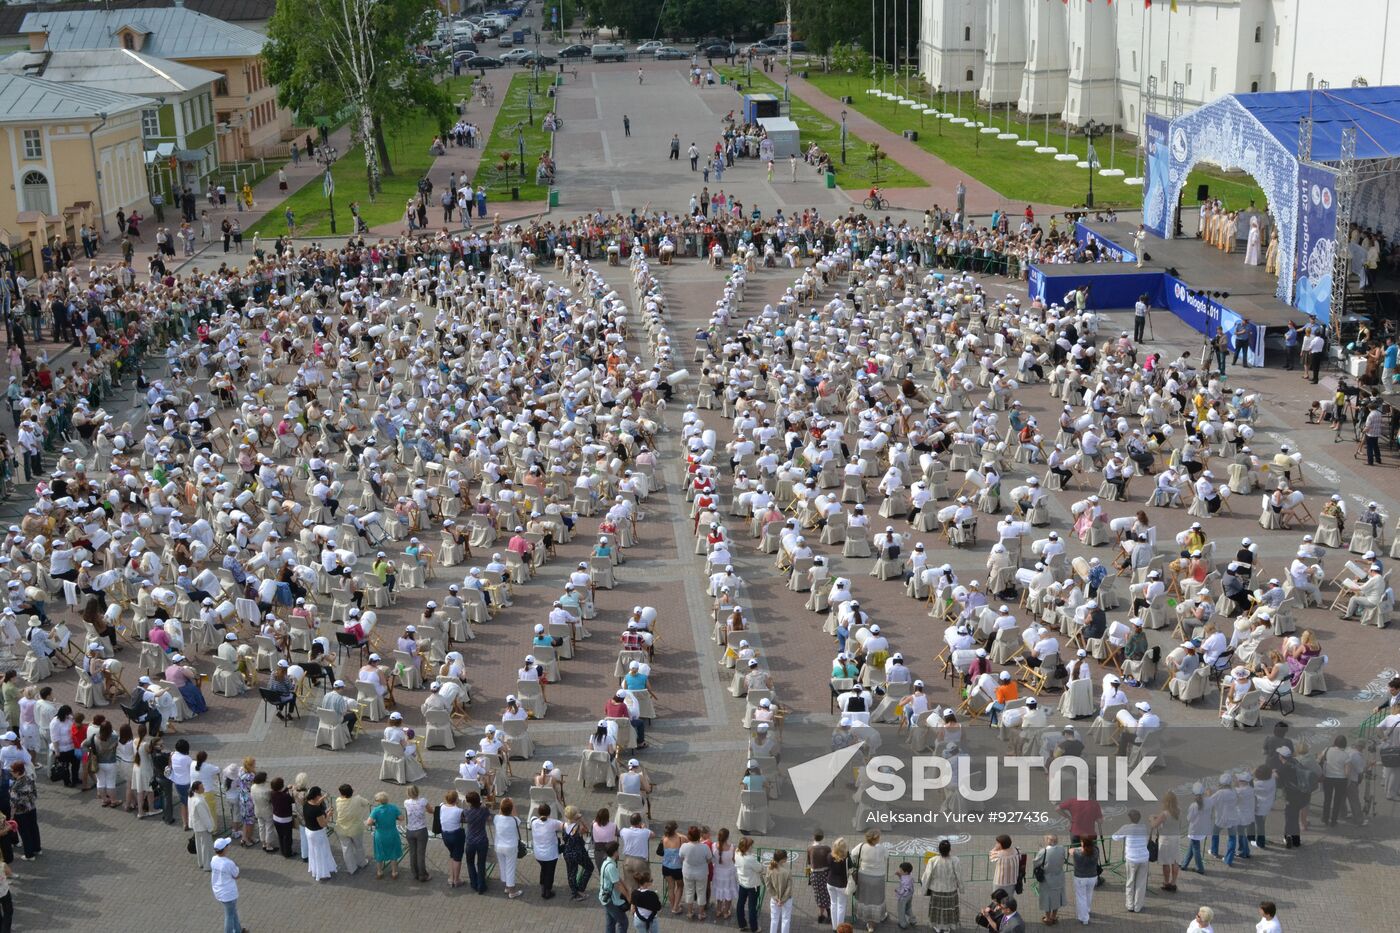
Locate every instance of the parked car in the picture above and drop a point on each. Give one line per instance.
(482, 61)
(799, 46)
(711, 40)
(506, 40)
(529, 60)
(576, 51)
(464, 47)
(649, 47)
(603, 51)
(758, 51)
(669, 53)
(717, 50)
(515, 55)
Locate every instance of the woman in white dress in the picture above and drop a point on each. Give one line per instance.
(139, 795)
(724, 887)
(505, 826)
(1251, 248)
(320, 861)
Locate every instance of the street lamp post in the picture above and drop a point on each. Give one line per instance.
(1092, 131)
(843, 137)
(326, 156)
(520, 143)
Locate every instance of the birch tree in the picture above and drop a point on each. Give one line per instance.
(327, 55)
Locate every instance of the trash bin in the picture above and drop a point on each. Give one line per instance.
(553, 197)
(514, 193)
(723, 79)
(831, 179)
(558, 80)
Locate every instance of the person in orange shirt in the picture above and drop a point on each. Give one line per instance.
(1006, 692)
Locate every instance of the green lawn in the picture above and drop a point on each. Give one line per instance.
(511, 123)
(408, 151)
(857, 173)
(1019, 173)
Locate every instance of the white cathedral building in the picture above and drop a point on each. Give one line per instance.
(1081, 60)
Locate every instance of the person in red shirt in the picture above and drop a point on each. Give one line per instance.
(1085, 817)
(617, 707)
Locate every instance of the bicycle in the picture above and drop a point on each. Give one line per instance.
(875, 204)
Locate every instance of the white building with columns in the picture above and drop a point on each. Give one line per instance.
(1090, 59)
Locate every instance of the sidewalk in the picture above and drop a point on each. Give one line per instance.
(941, 177)
(268, 198)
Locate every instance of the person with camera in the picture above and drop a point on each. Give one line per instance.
(1002, 915)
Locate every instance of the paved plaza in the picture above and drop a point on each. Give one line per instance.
(104, 870)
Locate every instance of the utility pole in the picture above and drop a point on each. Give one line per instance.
(786, 95)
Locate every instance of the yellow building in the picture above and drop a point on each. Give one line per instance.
(249, 121)
(73, 155)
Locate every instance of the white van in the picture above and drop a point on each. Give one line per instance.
(609, 50)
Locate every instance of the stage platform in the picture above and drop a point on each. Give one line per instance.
(1205, 268)
(1204, 287)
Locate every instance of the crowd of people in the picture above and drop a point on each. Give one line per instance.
(850, 408)
(331, 429)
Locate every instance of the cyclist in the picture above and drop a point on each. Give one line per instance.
(875, 195)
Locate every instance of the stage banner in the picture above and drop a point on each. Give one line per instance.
(1109, 249)
(1199, 312)
(1205, 314)
(1317, 239)
(1159, 181)
(1035, 285)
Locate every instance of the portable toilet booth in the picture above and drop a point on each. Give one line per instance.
(758, 106)
(784, 136)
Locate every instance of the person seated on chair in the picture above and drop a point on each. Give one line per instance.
(1207, 493)
(318, 663)
(513, 712)
(1338, 510)
(282, 685)
(396, 733)
(549, 776)
(1113, 474)
(345, 706)
(1135, 648)
(1005, 693)
(635, 781)
(1269, 597)
(1149, 591)
(619, 707)
(186, 680)
(1215, 647)
(371, 673)
(1185, 668)
(1095, 621)
(1235, 585)
(533, 671)
(1368, 594)
(473, 768)
(39, 641)
(1045, 645)
(1233, 692)
(1272, 674)
(408, 644)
